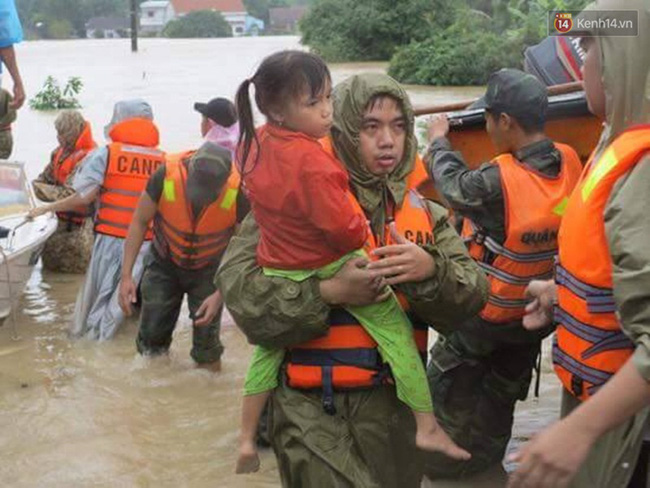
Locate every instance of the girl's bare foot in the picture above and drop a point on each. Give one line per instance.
(248, 460)
(437, 440)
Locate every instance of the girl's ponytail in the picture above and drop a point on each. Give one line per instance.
(247, 127)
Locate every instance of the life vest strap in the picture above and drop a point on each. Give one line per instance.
(99, 222)
(599, 300)
(117, 208)
(507, 302)
(510, 278)
(361, 358)
(592, 375)
(328, 390)
(532, 257)
(119, 191)
(193, 238)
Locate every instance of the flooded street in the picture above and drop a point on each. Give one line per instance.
(76, 413)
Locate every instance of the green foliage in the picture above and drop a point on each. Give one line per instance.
(201, 23)
(367, 30)
(484, 37)
(51, 97)
(51, 13)
(463, 54)
(59, 29)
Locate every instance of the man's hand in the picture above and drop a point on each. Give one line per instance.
(127, 295)
(403, 262)
(552, 458)
(19, 96)
(438, 127)
(208, 309)
(38, 211)
(539, 312)
(354, 284)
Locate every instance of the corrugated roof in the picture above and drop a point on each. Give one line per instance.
(154, 4)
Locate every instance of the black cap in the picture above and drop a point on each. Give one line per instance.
(220, 110)
(516, 93)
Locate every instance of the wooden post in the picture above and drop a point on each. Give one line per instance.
(134, 26)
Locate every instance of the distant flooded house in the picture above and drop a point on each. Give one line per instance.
(108, 27)
(154, 14)
(284, 20)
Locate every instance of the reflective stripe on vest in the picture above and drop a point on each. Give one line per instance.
(347, 356)
(590, 345)
(127, 172)
(533, 205)
(189, 242)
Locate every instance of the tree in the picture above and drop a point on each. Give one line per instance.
(200, 23)
(371, 30)
(484, 37)
(57, 18)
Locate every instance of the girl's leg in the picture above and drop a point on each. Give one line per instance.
(388, 325)
(252, 407)
(261, 378)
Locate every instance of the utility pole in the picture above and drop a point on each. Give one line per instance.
(134, 26)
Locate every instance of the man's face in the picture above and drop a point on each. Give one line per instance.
(592, 75)
(383, 136)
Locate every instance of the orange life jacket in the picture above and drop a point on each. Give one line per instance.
(132, 159)
(590, 346)
(193, 242)
(534, 204)
(62, 167)
(347, 357)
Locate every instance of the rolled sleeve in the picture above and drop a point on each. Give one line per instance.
(627, 226)
(92, 170)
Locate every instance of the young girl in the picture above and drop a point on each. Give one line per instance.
(309, 226)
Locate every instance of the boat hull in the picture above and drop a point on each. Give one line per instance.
(568, 122)
(21, 253)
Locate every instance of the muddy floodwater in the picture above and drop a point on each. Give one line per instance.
(78, 413)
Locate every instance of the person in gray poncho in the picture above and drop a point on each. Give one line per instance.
(115, 176)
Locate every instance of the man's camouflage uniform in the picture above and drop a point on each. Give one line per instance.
(479, 371)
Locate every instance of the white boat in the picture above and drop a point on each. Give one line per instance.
(21, 240)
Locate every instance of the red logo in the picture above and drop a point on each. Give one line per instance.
(563, 22)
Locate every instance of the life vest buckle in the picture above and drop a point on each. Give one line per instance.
(328, 391)
(577, 385)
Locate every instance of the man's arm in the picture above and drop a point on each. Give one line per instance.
(142, 217)
(67, 204)
(8, 56)
(267, 308)
(466, 191)
(277, 312)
